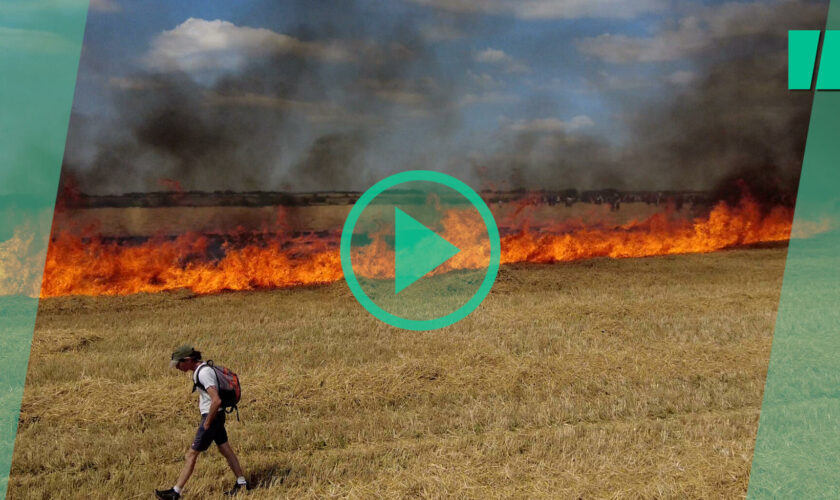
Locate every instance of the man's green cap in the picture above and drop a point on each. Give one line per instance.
(181, 353)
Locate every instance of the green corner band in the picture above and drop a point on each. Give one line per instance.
(802, 55)
(828, 77)
(41, 42)
(797, 452)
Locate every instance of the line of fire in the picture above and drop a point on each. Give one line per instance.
(90, 255)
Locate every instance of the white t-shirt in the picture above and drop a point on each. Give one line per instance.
(207, 377)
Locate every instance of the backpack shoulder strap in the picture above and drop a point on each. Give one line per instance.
(196, 381)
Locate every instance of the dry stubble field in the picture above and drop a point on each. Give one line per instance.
(597, 379)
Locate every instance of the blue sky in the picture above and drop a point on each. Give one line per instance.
(310, 95)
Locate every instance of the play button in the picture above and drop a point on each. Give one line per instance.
(420, 250)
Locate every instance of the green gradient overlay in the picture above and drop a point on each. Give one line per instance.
(797, 452)
(41, 41)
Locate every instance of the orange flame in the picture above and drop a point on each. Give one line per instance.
(724, 227)
(82, 266)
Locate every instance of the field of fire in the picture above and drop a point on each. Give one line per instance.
(640, 160)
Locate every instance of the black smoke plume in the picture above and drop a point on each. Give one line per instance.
(283, 121)
(291, 122)
(734, 128)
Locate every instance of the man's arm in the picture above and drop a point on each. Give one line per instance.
(215, 404)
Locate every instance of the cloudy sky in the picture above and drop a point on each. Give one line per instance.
(313, 94)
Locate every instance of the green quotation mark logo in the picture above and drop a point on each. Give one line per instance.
(803, 46)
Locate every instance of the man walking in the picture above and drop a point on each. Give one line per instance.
(212, 426)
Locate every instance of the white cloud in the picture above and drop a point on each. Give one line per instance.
(105, 6)
(500, 58)
(492, 56)
(704, 29)
(574, 9)
(550, 9)
(687, 39)
(483, 80)
(550, 125)
(198, 44)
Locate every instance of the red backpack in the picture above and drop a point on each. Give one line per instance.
(229, 389)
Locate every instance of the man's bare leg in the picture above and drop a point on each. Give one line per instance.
(232, 461)
(189, 465)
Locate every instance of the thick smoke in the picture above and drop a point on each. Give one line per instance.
(332, 157)
(299, 115)
(739, 122)
(740, 125)
(539, 160)
(321, 116)
(735, 126)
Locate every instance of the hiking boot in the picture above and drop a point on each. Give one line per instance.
(237, 488)
(169, 494)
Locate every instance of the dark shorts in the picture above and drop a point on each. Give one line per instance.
(216, 433)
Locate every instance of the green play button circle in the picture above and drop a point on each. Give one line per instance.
(420, 250)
